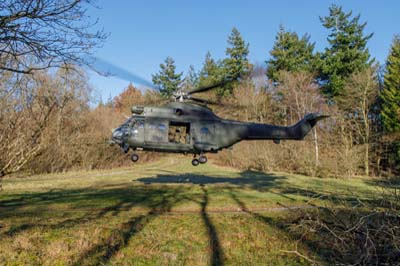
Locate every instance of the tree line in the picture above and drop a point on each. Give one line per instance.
(362, 95)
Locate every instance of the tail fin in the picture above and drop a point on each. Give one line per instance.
(301, 128)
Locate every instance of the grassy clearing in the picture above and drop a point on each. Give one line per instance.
(162, 213)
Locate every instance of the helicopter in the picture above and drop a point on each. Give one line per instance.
(186, 125)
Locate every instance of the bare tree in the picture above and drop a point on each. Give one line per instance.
(38, 34)
(27, 104)
(357, 101)
(301, 96)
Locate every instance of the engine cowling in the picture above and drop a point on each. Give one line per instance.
(137, 109)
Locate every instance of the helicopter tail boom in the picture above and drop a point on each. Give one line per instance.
(295, 132)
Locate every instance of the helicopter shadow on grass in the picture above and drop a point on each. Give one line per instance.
(256, 180)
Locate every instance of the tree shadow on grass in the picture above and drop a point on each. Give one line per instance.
(274, 223)
(89, 203)
(36, 206)
(152, 201)
(388, 183)
(313, 229)
(102, 252)
(373, 200)
(217, 257)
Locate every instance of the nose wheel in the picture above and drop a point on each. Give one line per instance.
(195, 162)
(134, 157)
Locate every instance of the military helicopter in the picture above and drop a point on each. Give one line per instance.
(186, 125)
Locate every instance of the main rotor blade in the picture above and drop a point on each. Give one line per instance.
(210, 87)
(200, 100)
(106, 68)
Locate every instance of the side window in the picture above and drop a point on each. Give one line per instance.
(162, 127)
(156, 131)
(136, 125)
(139, 124)
(204, 130)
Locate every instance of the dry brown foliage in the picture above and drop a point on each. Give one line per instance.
(356, 233)
(47, 124)
(333, 148)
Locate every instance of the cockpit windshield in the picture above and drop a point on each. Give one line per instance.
(133, 122)
(129, 122)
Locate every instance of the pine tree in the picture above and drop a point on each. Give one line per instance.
(167, 80)
(290, 53)
(391, 91)
(191, 79)
(237, 64)
(211, 72)
(347, 53)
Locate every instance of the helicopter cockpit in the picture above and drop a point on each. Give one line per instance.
(130, 128)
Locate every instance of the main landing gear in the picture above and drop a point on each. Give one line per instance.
(134, 157)
(195, 162)
(202, 159)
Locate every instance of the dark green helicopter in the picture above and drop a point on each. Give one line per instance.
(185, 127)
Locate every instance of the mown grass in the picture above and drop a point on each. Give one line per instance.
(162, 213)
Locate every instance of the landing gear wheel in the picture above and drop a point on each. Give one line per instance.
(195, 162)
(134, 157)
(202, 159)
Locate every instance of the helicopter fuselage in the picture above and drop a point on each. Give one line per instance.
(191, 128)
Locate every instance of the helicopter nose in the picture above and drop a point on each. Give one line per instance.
(116, 135)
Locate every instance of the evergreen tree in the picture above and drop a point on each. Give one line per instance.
(347, 52)
(290, 53)
(391, 91)
(211, 72)
(192, 78)
(237, 64)
(167, 80)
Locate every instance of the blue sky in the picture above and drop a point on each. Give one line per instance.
(144, 33)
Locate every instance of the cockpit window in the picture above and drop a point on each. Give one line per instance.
(128, 122)
(140, 123)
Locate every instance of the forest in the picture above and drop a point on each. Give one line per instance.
(50, 122)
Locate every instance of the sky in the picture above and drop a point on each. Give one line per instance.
(143, 33)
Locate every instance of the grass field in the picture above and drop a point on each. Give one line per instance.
(162, 213)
